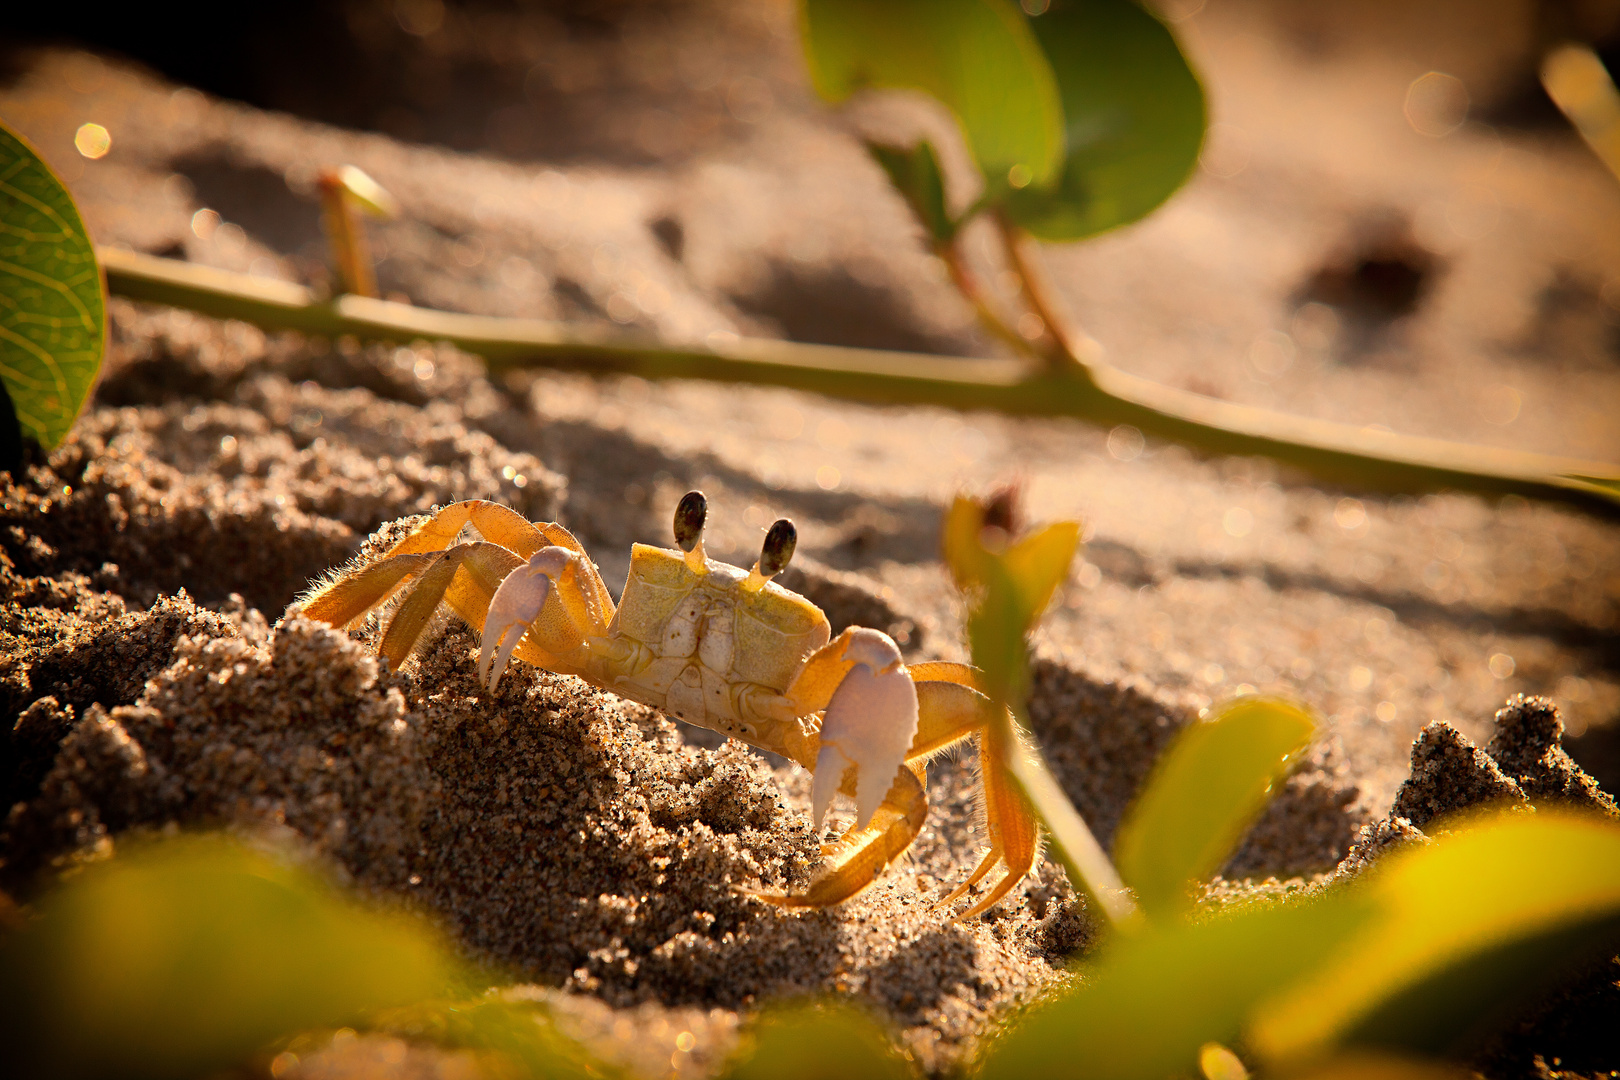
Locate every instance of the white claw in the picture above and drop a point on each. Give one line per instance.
(514, 607)
(870, 723)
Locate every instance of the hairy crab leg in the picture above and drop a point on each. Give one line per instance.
(507, 528)
(861, 854)
(952, 694)
(951, 710)
(496, 523)
(469, 572)
(347, 599)
(1011, 821)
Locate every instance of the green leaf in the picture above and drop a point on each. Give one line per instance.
(1038, 564)
(1134, 119)
(817, 1042)
(1156, 997)
(961, 544)
(53, 306)
(996, 639)
(977, 57)
(915, 174)
(521, 1031)
(1509, 880)
(1203, 795)
(1361, 1066)
(190, 955)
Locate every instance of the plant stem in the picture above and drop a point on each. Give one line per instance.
(351, 256)
(967, 283)
(1083, 858)
(1343, 453)
(1071, 349)
(1575, 78)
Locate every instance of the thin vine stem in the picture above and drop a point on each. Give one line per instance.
(1071, 348)
(967, 283)
(1340, 453)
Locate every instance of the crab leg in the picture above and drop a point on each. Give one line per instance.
(468, 573)
(862, 853)
(955, 709)
(950, 710)
(346, 600)
(496, 523)
(1009, 819)
(507, 528)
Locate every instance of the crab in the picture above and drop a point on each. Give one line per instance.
(715, 646)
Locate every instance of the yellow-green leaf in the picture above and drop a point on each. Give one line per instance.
(978, 57)
(996, 640)
(1362, 1066)
(1134, 119)
(1155, 998)
(817, 1042)
(52, 301)
(1038, 564)
(961, 542)
(1203, 795)
(915, 174)
(1508, 878)
(191, 954)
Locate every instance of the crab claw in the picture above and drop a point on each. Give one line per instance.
(514, 607)
(870, 723)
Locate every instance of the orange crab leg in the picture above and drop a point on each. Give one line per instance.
(1009, 819)
(950, 711)
(496, 523)
(346, 600)
(861, 854)
(507, 528)
(468, 573)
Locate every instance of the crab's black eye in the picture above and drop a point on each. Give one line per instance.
(689, 517)
(778, 549)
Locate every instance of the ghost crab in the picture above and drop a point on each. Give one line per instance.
(716, 647)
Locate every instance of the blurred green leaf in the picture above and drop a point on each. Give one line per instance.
(818, 1042)
(1009, 589)
(915, 174)
(1360, 1066)
(977, 57)
(1134, 119)
(1155, 998)
(520, 1031)
(1202, 796)
(1038, 564)
(996, 639)
(192, 953)
(1481, 891)
(1216, 1062)
(962, 545)
(53, 306)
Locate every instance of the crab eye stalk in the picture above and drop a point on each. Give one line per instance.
(775, 555)
(778, 550)
(690, 514)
